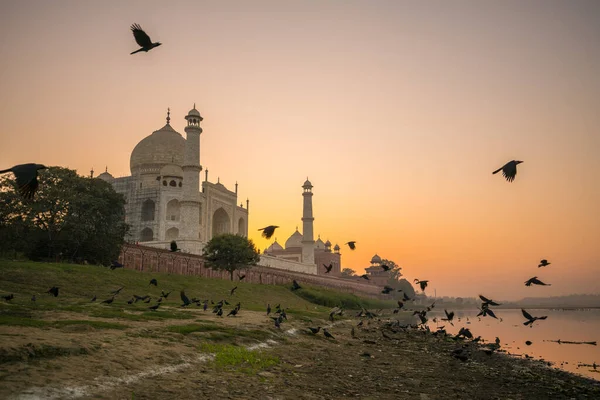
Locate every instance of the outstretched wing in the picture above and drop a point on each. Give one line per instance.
(26, 177)
(484, 299)
(184, 298)
(526, 314)
(140, 36)
(510, 171)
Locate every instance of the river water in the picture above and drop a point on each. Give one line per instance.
(569, 325)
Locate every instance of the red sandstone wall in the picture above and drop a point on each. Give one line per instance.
(142, 258)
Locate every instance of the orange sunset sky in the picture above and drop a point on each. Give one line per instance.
(397, 111)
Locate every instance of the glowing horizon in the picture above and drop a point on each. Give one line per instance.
(397, 112)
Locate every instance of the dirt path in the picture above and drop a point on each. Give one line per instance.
(151, 361)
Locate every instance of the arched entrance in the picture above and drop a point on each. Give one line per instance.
(242, 227)
(172, 234)
(146, 235)
(220, 222)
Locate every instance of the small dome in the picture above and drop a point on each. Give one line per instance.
(328, 244)
(195, 113)
(319, 244)
(275, 246)
(307, 184)
(294, 241)
(106, 176)
(337, 247)
(376, 259)
(172, 170)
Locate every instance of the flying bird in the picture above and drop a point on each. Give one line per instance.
(352, 245)
(53, 291)
(530, 319)
(115, 264)
(295, 285)
(422, 284)
(184, 298)
(165, 295)
(115, 292)
(328, 268)
(449, 316)
(488, 301)
(544, 263)
(241, 277)
(154, 282)
(509, 170)
(232, 291)
(26, 176)
(536, 281)
(142, 39)
(268, 231)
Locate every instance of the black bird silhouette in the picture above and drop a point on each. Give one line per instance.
(173, 247)
(241, 277)
(528, 342)
(93, 299)
(165, 295)
(485, 310)
(328, 268)
(327, 334)
(160, 299)
(365, 276)
(8, 297)
(53, 291)
(232, 291)
(315, 330)
(422, 284)
(233, 312)
(33, 298)
(488, 301)
(400, 304)
(536, 281)
(220, 312)
(387, 289)
(530, 319)
(26, 177)
(509, 170)
(154, 307)
(352, 245)
(115, 264)
(108, 301)
(465, 332)
(142, 39)
(277, 322)
(295, 285)
(268, 231)
(184, 298)
(131, 301)
(268, 309)
(405, 296)
(115, 292)
(449, 316)
(205, 307)
(544, 263)
(385, 267)
(147, 300)
(154, 282)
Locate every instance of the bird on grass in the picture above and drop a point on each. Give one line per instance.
(8, 297)
(233, 312)
(268, 231)
(205, 306)
(93, 299)
(131, 301)
(295, 285)
(327, 334)
(26, 176)
(232, 291)
(184, 298)
(142, 39)
(165, 295)
(33, 298)
(422, 284)
(531, 319)
(220, 312)
(509, 170)
(400, 304)
(464, 332)
(536, 281)
(315, 330)
(153, 281)
(108, 301)
(154, 307)
(268, 309)
(351, 244)
(115, 264)
(53, 291)
(544, 263)
(116, 292)
(328, 268)
(148, 300)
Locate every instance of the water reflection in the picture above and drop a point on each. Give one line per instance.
(571, 325)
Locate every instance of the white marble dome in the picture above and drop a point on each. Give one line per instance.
(294, 241)
(376, 259)
(162, 147)
(106, 176)
(172, 171)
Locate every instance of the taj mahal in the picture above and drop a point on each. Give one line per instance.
(163, 197)
(166, 201)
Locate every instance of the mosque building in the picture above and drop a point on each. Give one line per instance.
(163, 196)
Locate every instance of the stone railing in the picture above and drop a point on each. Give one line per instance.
(150, 259)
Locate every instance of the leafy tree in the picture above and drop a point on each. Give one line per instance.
(394, 271)
(348, 272)
(229, 252)
(70, 215)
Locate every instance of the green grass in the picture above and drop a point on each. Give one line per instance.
(13, 320)
(216, 332)
(332, 298)
(239, 358)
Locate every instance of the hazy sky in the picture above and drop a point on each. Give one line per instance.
(397, 111)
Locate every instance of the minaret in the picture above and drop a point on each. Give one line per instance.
(308, 243)
(190, 204)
